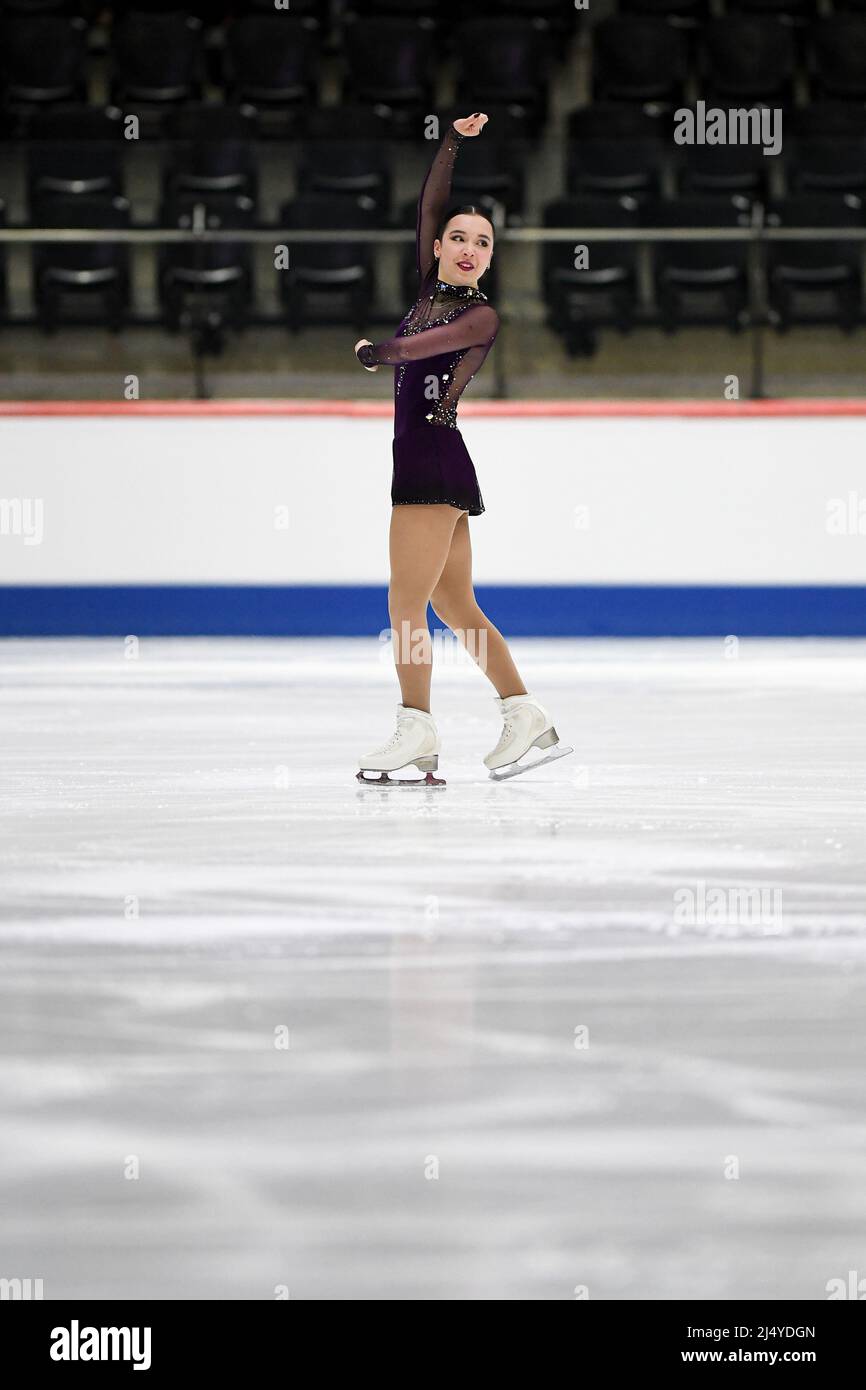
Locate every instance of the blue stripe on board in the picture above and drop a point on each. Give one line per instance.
(342, 610)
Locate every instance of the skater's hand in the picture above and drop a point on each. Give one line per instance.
(365, 342)
(471, 125)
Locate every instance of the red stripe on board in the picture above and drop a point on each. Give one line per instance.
(481, 409)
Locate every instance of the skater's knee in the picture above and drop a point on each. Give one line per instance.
(440, 609)
(454, 611)
(453, 617)
(403, 597)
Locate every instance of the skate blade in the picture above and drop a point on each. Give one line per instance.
(516, 769)
(383, 780)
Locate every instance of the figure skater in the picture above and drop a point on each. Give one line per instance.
(439, 346)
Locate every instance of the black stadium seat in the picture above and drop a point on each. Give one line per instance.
(613, 148)
(72, 151)
(271, 61)
(42, 61)
(703, 269)
(718, 169)
(509, 62)
(345, 150)
(825, 148)
(747, 59)
(342, 270)
(65, 272)
(561, 21)
(837, 58)
(494, 169)
(389, 66)
(639, 59)
(605, 290)
(210, 149)
(826, 266)
(611, 120)
(209, 281)
(157, 60)
(614, 166)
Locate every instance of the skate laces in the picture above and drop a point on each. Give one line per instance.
(506, 730)
(398, 733)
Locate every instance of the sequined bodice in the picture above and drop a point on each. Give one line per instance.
(444, 338)
(445, 303)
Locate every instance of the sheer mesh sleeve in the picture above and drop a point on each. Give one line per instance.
(445, 410)
(475, 327)
(433, 200)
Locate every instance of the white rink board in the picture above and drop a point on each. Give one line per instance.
(305, 500)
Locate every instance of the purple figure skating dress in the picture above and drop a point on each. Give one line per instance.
(437, 349)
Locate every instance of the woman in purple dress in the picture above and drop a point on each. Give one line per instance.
(438, 348)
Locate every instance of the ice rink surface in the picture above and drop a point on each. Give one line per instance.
(597, 1029)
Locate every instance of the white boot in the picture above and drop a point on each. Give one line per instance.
(416, 740)
(527, 724)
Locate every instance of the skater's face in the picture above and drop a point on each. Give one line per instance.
(465, 249)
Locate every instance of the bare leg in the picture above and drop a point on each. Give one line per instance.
(454, 601)
(420, 541)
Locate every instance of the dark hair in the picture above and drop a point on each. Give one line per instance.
(456, 211)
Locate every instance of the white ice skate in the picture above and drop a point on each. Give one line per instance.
(416, 741)
(527, 725)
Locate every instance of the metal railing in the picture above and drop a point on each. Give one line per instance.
(757, 235)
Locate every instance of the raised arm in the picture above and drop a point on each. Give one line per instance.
(433, 199)
(436, 188)
(475, 327)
